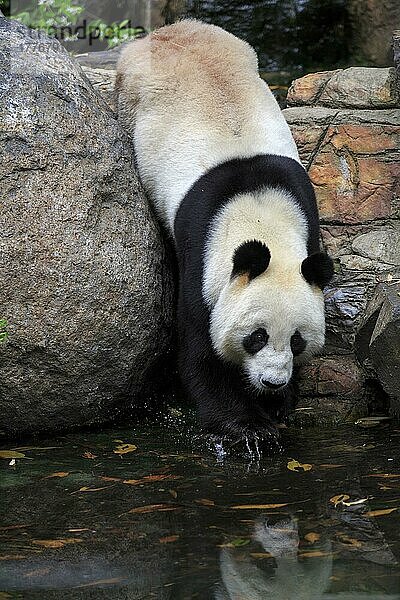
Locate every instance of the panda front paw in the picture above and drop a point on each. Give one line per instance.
(251, 440)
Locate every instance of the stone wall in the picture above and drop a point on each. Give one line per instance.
(346, 124)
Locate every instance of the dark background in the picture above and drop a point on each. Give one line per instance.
(291, 37)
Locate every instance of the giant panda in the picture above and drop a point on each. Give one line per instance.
(221, 168)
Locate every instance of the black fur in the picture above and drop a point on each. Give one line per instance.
(255, 341)
(297, 344)
(251, 258)
(226, 403)
(317, 269)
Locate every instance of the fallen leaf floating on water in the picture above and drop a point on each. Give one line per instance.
(294, 465)
(343, 499)
(8, 527)
(168, 539)
(355, 502)
(23, 448)
(56, 543)
(384, 475)
(12, 557)
(246, 521)
(11, 454)
(125, 448)
(89, 489)
(151, 479)
(345, 539)
(339, 499)
(103, 478)
(89, 455)
(312, 537)
(173, 493)
(153, 508)
(257, 506)
(315, 554)
(379, 513)
(57, 474)
(205, 502)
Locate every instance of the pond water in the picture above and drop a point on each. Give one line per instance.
(148, 513)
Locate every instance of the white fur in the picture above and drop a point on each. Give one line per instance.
(271, 216)
(280, 309)
(192, 95)
(279, 300)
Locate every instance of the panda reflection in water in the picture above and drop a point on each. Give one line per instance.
(221, 168)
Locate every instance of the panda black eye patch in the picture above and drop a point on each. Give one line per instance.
(297, 343)
(254, 342)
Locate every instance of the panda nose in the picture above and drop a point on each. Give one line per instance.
(268, 384)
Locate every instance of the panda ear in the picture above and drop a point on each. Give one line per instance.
(250, 258)
(317, 269)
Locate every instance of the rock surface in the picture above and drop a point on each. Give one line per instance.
(103, 81)
(332, 391)
(396, 60)
(100, 69)
(353, 159)
(355, 87)
(378, 340)
(382, 245)
(103, 59)
(307, 89)
(372, 23)
(83, 281)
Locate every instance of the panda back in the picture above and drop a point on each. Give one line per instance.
(191, 96)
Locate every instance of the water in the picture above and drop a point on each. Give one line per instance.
(170, 520)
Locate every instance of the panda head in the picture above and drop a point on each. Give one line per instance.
(270, 315)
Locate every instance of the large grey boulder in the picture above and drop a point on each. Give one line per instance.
(83, 280)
